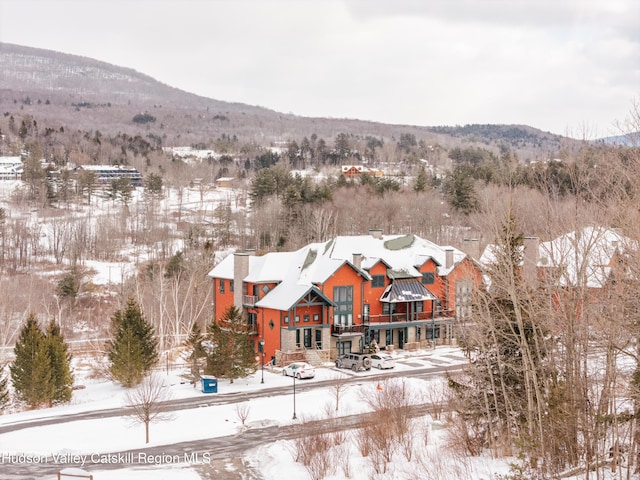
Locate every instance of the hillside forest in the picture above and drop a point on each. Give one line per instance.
(534, 359)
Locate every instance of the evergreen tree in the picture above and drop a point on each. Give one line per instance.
(510, 367)
(421, 181)
(4, 390)
(196, 349)
(460, 190)
(232, 355)
(31, 370)
(60, 364)
(132, 350)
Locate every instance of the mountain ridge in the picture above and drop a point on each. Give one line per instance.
(91, 93)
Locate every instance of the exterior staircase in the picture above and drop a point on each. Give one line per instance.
(316, 357)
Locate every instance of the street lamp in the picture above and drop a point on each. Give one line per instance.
(294, 398)
(262, 368)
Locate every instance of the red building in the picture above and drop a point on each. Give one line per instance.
(339, 296)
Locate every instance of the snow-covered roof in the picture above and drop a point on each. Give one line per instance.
(582, 257)
(297, 272)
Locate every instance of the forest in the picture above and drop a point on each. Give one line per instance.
(559, 368)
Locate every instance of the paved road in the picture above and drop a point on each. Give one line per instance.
(204, 451)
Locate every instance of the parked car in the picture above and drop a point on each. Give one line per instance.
(354, 361)
(382, 360)
(299, 370)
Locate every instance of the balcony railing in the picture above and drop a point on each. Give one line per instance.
(405, 317)
(249, 300)
(342, 329)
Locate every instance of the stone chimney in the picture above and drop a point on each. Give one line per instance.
(448, 258)
(240, 271)
(472, 247)
(357, 260)
(376, 233)
(530, 260)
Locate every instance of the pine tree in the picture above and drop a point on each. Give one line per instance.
(4, 390)
(509, 368)
(60, 363)
(31, 372)
(132, 350)
(197, 351)
(232, 355)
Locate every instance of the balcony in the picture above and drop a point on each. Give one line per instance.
(404, 317)
(249, 300)
(347, 329)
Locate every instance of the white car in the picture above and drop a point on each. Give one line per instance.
(382, 360)
(299, 370)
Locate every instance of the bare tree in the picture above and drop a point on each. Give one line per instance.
(338, 387)
(242, 411)
(147, 402)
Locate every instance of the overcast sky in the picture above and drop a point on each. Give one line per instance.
(565, 66)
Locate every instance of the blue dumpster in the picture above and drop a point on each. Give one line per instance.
(209, 384)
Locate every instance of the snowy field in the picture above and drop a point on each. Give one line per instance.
(88, 440)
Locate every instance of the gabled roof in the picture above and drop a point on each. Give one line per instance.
(581, 258)
(285, 297)
(296, 272)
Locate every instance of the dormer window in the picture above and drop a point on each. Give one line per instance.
(377, 281)
(428, 278)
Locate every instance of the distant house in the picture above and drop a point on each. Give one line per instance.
(339, 296)
(355, 171)
(224, 182)
(106, 173)
(11, 168)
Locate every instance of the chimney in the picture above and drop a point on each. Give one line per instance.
(448, 257)
(240, 270)
(357, 260)
(472, 247)
(376, 233)
(530, 260)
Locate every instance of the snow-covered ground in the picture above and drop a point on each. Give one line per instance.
(88, 439)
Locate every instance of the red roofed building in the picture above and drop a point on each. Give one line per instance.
(330, 298)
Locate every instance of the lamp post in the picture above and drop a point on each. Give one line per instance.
(262, 368)
(294, 398)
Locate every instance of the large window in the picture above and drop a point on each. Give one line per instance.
(252, 321)
(432, 332)
(377, 281)
(388, 308)
(343, 311)
(464, 292)
(344, 347)
(428, 278)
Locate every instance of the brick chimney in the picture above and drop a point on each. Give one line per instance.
(472, 247)
(448, 257)
(240, 270)
(357, 260)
